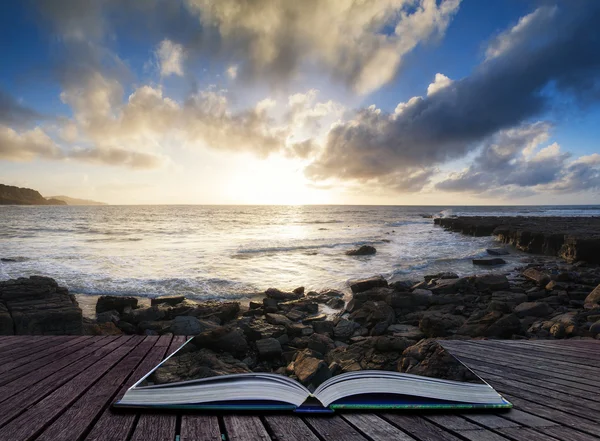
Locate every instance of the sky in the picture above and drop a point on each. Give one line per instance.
(416, 102)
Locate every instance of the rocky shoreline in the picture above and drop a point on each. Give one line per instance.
(381, 326)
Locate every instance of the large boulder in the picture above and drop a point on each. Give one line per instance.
(440, 325)
(38, 306)
(505, 301)
(268, 348)
(344, 329)
(150, 314)
(593, 298)
(169, 300)
(373, 294)
(365, 284)
(409, 301)
(533, 309)
(409, 332)
(223, 339)
(539, 277)
(7, 327)
(375, 316)
(259, 329)
(115, 303)
(492, 282)
(309, 369)
(494, 324)
(276, 294)
(448, 286)
(489, 261)
(224, 311)
(188, 325)
(378, 353)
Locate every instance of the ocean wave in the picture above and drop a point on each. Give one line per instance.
(113, 239)
(279, 249)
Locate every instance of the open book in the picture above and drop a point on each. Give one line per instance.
(193, 378)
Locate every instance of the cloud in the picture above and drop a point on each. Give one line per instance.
(232, 72)
(502, 92)
(170, 58)
(441, 81)
(12, 112)
(512, 163)
(361, 43)
(28, 145)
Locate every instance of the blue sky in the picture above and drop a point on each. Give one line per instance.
(189, 102)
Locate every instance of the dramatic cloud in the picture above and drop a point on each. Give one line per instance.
(502, 92)
(170, 58)
(12, 112)
(512, 161)
(27, 145)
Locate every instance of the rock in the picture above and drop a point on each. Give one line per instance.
(505, 327)
(593, 299)
(489, 262)
(534, 309)
(409, 301)
(344, 329)
(428, 358)
(196, 364)
(364, 250)
(260, 329)
(323, 327)
(255, 305)
(304, 305)
(373, 294)
(157, 327)
(278, 319)
(444, 275)
(299, 330)
(595, 328)
(497, 251)
(422, 292)
(169, 300)
(295, 315)
(320, 343)
(224, 311)
(336, 303)
(38, 306)
(505, 301)
(366, 284)
(223, 339)
(116, 303)
(537, 276)
(440, 325)
(449, 286)
(188, 325)
(310, 370)
(151, 314)
(93, 328)
(406, 331)
(375, 316)
(268, 348)
(299, 290)
(312, 319)
(108, 317)
(127, 327)
(274, 293)
(492, 282)
(7, 326)
(378, 353)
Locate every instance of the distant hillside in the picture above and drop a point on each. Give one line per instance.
(75, 201)
(10, 195)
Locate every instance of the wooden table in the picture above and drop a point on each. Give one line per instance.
(61, 387)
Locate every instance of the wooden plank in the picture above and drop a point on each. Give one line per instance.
(40, 384)
(155, 427)
(31, 422)
(245, 428)
(200, 428)
(19, 369)
(548, 346)
(452, 422)
(333, 428)
(116, 426)
(42, 373)
(158, 426)
(489, 420)
(289, 428)
(12, 341)
(482, 435)
(527, 434)
(75, 421)
(529, 364)
(566, 433)
(555, 414)
(527, 419)
(28, 347)
(508, 371)
(375, 428)
(419, 428)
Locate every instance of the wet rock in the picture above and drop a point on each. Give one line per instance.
(108, 317)
(324, 296)
(276, 294)
(224, 311)
(409, 301)
(255, 305)
(492, 282)
(497, 251)
(379, 353)
(116, 303)
(202, 363)
(534, 309)
(169, 300)
(295, 315)
(157, 327)
(268, 348)
(312, 319)
(536, 276)
(320, 343)
(444, 275)
(366, 284)
(364, 250)
(260, 329)
(310, 370)
(336, 303)
(406, 331)
(375, 316)
(448, 286)
(323, 327)
(299, 330)
(440, 325)
(151, 314)
(188, 325)
(344, 329)
(223, 339)
(270, 305)
(593, 299)
(422, 292)
(373, 294)
(303, 305)
(6, 322)
(278, 319)
(299, 290)
(489, 262)
(127, 327)
(506, 301)
(38, 306)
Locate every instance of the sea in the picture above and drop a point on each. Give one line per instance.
(236, 252)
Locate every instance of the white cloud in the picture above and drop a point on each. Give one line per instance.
(441, 81)
(232, 72)
(171, 57)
